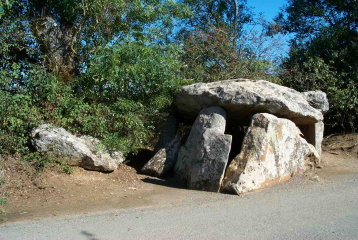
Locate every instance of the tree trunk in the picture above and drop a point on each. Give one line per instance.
(56, 43)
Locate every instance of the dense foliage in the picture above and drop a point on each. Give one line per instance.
(323, 55)
(110, 68)
(113, 78)
(142, 80)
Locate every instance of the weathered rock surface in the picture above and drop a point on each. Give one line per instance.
(272, 152)
(318, 100)
(319, 131)
(243, 98)
(164, 160)
(84, 151)
(202, 160)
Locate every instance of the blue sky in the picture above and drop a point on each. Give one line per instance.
(269, 8)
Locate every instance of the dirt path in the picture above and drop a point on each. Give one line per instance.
(53, 193)
(290, 211)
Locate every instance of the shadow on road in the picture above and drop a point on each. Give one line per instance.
(89, 236)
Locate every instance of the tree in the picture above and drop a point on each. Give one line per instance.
(230, 15)
(97, 67)
(224, 40)
(67, 31)
(323, 54)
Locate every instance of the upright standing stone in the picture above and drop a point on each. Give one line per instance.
(313, 133)
(272, 152)
(203, 159)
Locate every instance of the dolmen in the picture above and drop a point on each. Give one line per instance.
(283, 137)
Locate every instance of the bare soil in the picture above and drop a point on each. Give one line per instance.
(30, 195)
(340, 155)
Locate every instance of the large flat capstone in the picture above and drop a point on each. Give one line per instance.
(272, 152)
(242, 98)
(202, 160)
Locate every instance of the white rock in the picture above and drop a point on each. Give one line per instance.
(272, 152)
(84, 151)
(318, 100)
(242, 98)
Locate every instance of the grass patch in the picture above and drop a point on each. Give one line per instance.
(67, 169)
(39, 161)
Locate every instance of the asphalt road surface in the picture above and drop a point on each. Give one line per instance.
(293, 210)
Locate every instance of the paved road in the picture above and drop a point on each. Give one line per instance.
(292, 211)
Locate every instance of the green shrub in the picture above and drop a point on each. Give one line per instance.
(18, 116)
(130, 70)
(129, 86)
(39, 160)
(118, 90)
(120, 99)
